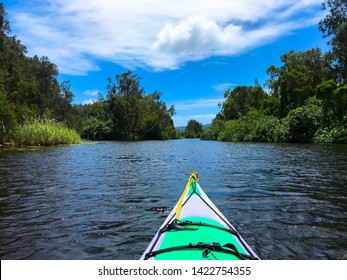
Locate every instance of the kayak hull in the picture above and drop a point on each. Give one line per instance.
(195, 229)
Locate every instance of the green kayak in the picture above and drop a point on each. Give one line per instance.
(196, 230)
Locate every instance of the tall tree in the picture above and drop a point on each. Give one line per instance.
(334, 25)
(124, 97)
(241, 100)
(193, 129)
(134, 115)
(11, 51)
(28, 85)
(297, 78)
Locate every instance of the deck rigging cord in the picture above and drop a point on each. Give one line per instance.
(206, 248)
(192, 178)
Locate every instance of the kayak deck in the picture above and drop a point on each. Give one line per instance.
(205, 234)
(196, 230)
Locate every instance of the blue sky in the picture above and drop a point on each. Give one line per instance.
(190, 50)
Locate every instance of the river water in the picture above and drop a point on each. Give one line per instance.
(107, 200)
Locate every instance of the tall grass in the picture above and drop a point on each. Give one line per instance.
(44, 133)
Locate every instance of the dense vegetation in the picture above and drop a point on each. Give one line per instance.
(35, 108)
(193, 129)
(43, 132)
(128, 113)
(307, 98)
(28, 87)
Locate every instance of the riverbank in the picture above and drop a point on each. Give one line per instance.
(43, 133)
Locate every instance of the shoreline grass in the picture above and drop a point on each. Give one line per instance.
(44, 133)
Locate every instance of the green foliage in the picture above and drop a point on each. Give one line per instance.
(334, 25)
(297, 79)
(334, 101)
(334, 134)
(124, 98)
(169, 132)
(271, 106)
(308, 94)
(4, 24)
(303, 123)
(134, 115)
(8, 120)
(193, 129)
(29, 90)
(263, 129)
(281, 131)
(212, 133)
(235, 130)
(95, 129)
(44, 133)
(304, 105)
(156, 119)
(241, 100)
(28, 86)
(255, 126)
(325, 89)
(340, 102)
(324, 92)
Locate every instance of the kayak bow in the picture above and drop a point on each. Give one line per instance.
(196, 230)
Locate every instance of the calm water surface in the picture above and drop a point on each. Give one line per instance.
(105, 201)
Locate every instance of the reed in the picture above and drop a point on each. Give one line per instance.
(44, 133)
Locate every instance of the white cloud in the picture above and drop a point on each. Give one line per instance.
(91, 92)
(201, 103)
(88, 101)
(158, 34)
(222, 86)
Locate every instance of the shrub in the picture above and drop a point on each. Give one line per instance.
(333, 134)
(255, 126)
(303, 123)
(263, 129)
(214, 130)
(44, 133)
(95, 129)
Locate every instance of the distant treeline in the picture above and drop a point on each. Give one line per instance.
(307, 98)
(128, 113)
(32, 98)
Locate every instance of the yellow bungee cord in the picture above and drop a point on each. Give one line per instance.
(192, 177)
